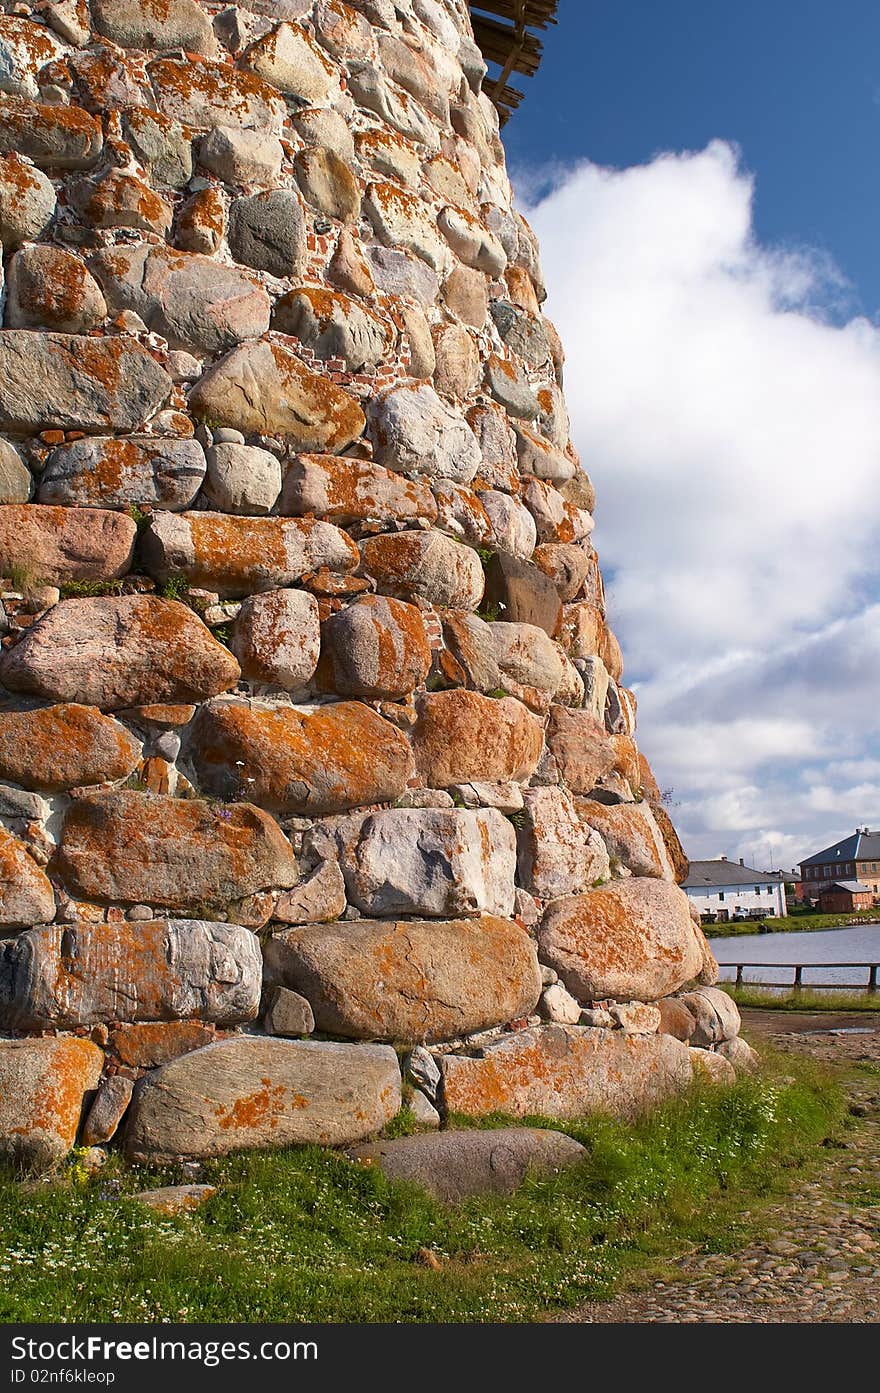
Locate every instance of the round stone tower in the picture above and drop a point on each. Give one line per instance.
(313, 735)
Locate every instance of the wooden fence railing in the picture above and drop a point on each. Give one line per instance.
(798, 981)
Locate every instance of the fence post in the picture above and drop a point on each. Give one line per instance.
(798, 978)
(739, 975)
(872, 978)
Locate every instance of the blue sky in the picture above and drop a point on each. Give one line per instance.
(795, 83)
(705, 183)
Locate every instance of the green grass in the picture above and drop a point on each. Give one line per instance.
(305, 1235)
(794, 923)
(804, 1000)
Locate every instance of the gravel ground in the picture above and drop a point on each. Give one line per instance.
(819, 1257)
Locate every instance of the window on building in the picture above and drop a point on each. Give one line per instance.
(721, 894)
(757, 889)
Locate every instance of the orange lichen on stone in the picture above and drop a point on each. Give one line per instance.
(148, 1044)
(42, 1087)
(60, 747)
(462, 736)
(326, 760)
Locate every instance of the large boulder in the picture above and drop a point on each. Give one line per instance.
(251, 1093)
(333, 325)
(716, 1016)
(521, 593)
(263, 388)
(518, 658)
(172, 24)
(43, 1085)
(54, 748)
(414, 432)
(345, 490)
(631, 835)
(557, 854)
(54, 135)
(309, 760)
(426, 565)
(631, 940)
(442, 862)
(267, 231)
(75, 382)
(113, 472)
(61, 977)
(454, 1165)
(120, 651)
(375, 648)
(62, 544)
(26, 894)
(565, 1071)
(27, 202)
(277, 638)
(191, 300)
(583, 751)
(238, 555)
(212, 93)
(176, 852)
(409, 981)
(49, 288)
(461, 736)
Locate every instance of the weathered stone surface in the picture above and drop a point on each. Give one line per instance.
(267, 231)
(317, 899)
(163, 146)
(439, 862)
(69, 382)
(560, 1006)
(557, 855)
(52, 748)
(472, 243)
(631, 940)
(523, 332)
(630, 834)
(452, 1165)
(409, 981)
(201, 226)
(119, 651)
(398, 109)
(241, 479)
(343, 491)
(396, 272)
(712, 1068)
(288, 1014)
(108, 1110)
(456, 361)
(375, 648)
(567, 1072)
(513, 527)
(50, 288)
(334, 325)
(317, 760)
(427, 564)
(65, 976)
(59, 544)
(242, 157)
(113, 472)
(466, 294)
(212, 94)
(191, 300)
(117, 199)
(716, 1015)
(414, 432)
(401, 219)
(461, 736)
(348, 270)
(27, 202)
(675, 1018)
(263, 388)
(54, 137)
(583, 751)
(252, 1092)
(155, 24)
(517, 658)
(176, 852)
(567, 564)
(636, 1017)
(328, 184)
(147, 1044)
(674, 849)
(277, 638)
(521, 593)
(16, 481)
(239, 555)
(741, 1055)
(509, 385)
(26, 895)
(42, 1087)
(291, 61)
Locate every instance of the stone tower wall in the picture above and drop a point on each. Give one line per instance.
(313, 736)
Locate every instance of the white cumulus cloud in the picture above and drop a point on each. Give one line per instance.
(730, 420)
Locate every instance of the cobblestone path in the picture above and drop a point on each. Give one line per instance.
(819, 1257)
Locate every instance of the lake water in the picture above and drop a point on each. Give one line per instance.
(860, 944)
